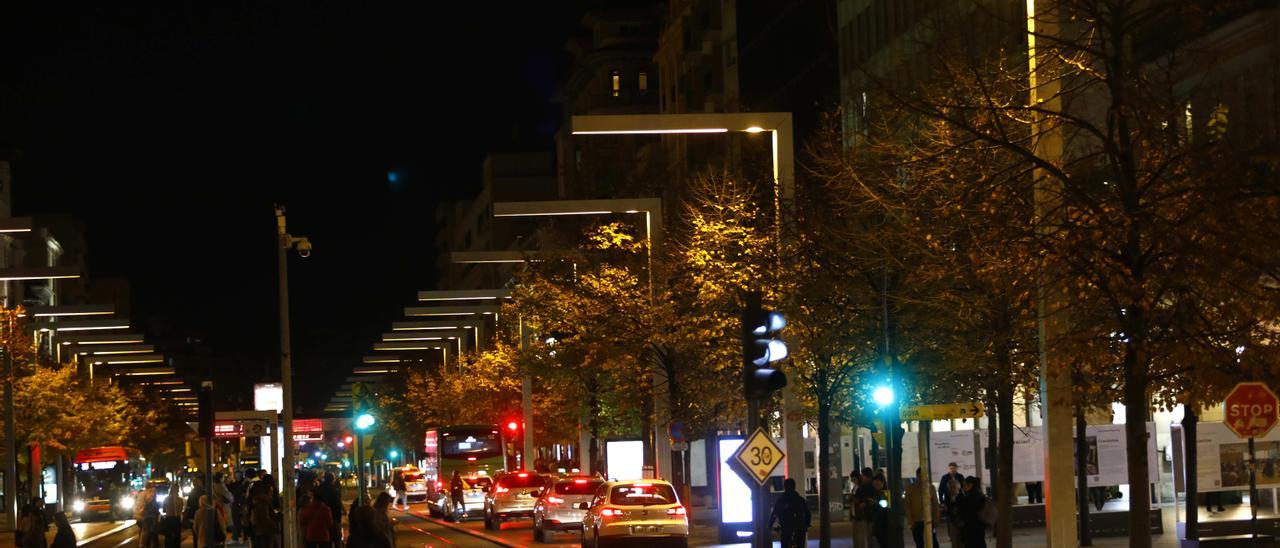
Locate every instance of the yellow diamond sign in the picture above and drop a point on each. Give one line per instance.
(759, 456)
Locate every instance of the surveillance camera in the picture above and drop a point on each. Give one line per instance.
(304, 248)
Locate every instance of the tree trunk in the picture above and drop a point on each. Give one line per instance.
(992, 459)
(1135, 429)
(824, 470)
(1082, 479)
(1189, 457)
(1004, 481)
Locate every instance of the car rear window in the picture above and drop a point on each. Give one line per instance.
(577, 487)
(413, 477)
(516, 481)
(479, 482)
(642, 494)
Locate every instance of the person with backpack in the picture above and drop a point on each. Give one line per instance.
(316, 520)
(330, 493)
(971, 507)
(793, 517)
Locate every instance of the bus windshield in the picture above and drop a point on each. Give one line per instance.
(470, 444)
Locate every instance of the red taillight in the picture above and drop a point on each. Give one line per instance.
(523, 474)
(471, 458)
(554, 500)
(677, 511)
(580, 482)
(610, 513)
(439, 485)
(501, 489)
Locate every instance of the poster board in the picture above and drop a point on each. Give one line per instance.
(1028, 452)
(1222, 458)
(959, 447)
(1106, 460)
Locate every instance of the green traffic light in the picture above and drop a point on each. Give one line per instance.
(365, 421)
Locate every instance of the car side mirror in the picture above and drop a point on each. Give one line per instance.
(584, 506)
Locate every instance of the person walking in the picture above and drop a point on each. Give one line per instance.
(864, 498)
(36, 526)
(191, 507)
(146, 513)
(793, 517)
(171, 523)
(316, 520)
(239, 489)
(402, 488)
(949, 488)
(382, 523)
(457, 489)
(879, 512)
(65, 537)
(969, 509)
(210, 524)
(263, 503)
(363, 533)
(331, 495)
(922, 500)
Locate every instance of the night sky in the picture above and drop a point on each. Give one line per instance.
(170, 130)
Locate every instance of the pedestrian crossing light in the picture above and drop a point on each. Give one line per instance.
(761, 348)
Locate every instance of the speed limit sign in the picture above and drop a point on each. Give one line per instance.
(759, 456)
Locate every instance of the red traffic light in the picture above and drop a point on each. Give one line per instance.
(513, 426)
(349, 439)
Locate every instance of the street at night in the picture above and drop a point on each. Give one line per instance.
(753, 273)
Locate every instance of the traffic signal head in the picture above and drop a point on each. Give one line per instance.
(513, 426)
(348, 439)
(761, 349)
(364, 421)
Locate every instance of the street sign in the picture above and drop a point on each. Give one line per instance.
(1251, 410)
(758, 457)
(678, 431)
(680, 446)
(943, 411)
(237, 428)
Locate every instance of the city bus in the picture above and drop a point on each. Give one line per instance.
(477, 452)
(108, 480)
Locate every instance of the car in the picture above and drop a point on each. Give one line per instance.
(511, 496)
(473, 499)
(415, 485)
(645, 510)
(558, 509)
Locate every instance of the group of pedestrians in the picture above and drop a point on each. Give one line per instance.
(33, 525)
(958, 505)
(964, 508)
(320, 513)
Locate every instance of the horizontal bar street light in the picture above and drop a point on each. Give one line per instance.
(84, 325)
(71, 310)
(460, 310)
(100, 338)
(10, 225)
(109, 349)
(410, 345)
(128, 359)
(24, 273)
(380, 359)
(464, 295)
(433, 335)
(364, 370)
(497, 257)
(145, 371)
(431, 325)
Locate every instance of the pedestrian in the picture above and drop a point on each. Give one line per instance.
(969, 511)
(402, 495)
(922, 498)
(793, 517)
(864, 498)
(457, 489)
(363, 533)
(382, 523)
(879, 512)
(146, 513)
(949, 488)
(36, 526)
(171, 523)
(1035, 492)
(26, 515)
(316, 520)
(263, 503)
(238, 490)
(65, 537)
(191, 507)
(331, 495)
(210, 525)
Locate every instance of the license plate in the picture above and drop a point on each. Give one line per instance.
(643, 529)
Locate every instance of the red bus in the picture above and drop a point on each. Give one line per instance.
(108, 480)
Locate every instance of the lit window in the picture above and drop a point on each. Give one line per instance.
(644, 81)
(617, 83)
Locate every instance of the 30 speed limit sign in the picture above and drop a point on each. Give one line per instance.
(759, 456)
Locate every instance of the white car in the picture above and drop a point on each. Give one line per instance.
(558, 507)
(647, 510)
(512, 496)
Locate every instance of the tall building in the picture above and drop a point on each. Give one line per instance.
(468, 225)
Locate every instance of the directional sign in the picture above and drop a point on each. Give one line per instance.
(758, 457)
(1250, 410)
(943, 411)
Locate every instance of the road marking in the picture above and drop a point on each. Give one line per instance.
(127, 524)
(127, 541)
(490, 538)
(428, 533)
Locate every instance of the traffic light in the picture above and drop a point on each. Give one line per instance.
(761, 348)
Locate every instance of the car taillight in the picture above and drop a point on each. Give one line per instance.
(439, 485)
(554, 500)
(501, 489)
(677, 511)
(610, 513)
(471, 459)
(523, 474)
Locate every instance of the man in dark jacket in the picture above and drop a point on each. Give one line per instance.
(792, 514)
(969, 506)
(949, 488)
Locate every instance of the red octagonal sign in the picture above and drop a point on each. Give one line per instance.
(1251, 410)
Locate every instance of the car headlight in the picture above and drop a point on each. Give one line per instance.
(126, 502)
(186, 490)
(77, 506)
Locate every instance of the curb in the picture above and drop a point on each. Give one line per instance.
(461, 529)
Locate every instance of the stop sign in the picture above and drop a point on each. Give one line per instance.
(1250, 410)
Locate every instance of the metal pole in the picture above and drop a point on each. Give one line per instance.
(362, 489)
(1253, 494)
(526, 404)
(286, 379)
(10, 447)
(760, 537)
(208, 489)
(926, 483)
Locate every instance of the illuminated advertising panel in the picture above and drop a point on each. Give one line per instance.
(624, 460)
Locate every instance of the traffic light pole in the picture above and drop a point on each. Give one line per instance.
(362, 490)
(760, 537)
(289, 504)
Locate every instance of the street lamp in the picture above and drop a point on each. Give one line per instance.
(778, 126)
(284, 243)
(883, 396)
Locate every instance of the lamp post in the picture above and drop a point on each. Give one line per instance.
(284, 243)
(778, 126)
(363, 422)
